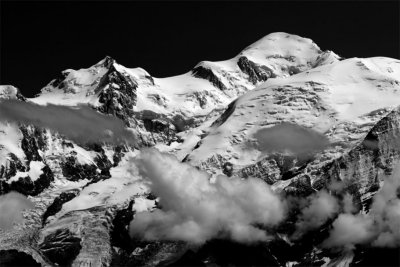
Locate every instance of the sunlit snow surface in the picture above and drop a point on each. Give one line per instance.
(35, 170)
(177, 94)
(327, 99)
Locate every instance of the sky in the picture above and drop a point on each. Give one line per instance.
(40, 39)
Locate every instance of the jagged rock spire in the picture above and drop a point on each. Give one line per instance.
(107, 62)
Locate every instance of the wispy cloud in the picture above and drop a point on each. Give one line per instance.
(321, 207)
(290, 137)
(195, 210)
(380, 227)
(81, 124)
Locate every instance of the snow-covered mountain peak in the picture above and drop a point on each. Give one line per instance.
(276, 55)
(73, 86)
(106, 62)
(283, 45)
(327, 57)
(335, 99)
(207, 86)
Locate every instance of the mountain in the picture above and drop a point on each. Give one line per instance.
(161, 107)
(343, 101)
(282, 110)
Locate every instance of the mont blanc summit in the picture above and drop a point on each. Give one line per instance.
(283, 155)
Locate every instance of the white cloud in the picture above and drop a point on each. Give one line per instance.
(81, 123)
(195, 210)
(290, 137)
(380, 227)
(322, 206)
(11, 206)
(349, 229)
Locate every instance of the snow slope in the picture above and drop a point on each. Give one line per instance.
(342, 100)
(188, 94)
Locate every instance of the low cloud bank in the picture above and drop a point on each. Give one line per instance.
(380, 227)
(11, 206)
(290, 137)
(81, 124)
(321, 207)
(195, 210)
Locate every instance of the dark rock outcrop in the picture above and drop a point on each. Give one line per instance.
(227, 253)
(159, 126)
(8, 171)
(120, 232)
(225, 115)
(101, 160)
(208, 74)
(74, 171)
(59, 81)
(26, 186)
(117, 93)
(61, 247)
(361, 169)
(119, 152)
(58, 202)
(33, 140)
(262, 170)
(255, 72)
(16, 258)
(20, 96)
(14, 165)
(162, 128)
(389, 257)
(181, 123)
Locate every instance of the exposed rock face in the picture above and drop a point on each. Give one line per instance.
(208, 74)
(120, 233)
(14, 165)
(61, 247)
(361, 169)
(26, 186)
(50, 191)
(101, 160)
(225, 253)
(117, 93)
(56, 206)
(118, 154)
(16, 258)
(84, 242)
(256, 73)
(33, 140)
(74, 171)
(266, 169)
(158, 128)
(226, 114)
